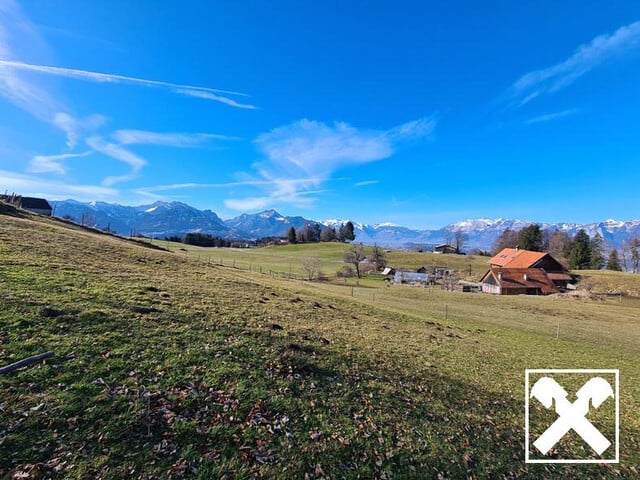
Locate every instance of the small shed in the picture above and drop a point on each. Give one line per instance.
(462, 286)
(388, 271)
(411, 278)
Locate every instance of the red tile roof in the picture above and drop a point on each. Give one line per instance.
(516, 258)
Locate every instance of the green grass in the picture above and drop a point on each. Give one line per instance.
(168, 365)
(287, 259)
(611, 283)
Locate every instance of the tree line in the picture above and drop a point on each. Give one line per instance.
(579, 252)
(315, 233)
(206, 240)
(308, 234)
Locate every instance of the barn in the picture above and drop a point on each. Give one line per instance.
(444, 248)
(514, 271)
(517, 281)
(32, 204)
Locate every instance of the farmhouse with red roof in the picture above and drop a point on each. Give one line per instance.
(514, 272)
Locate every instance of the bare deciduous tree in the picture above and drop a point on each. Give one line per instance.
(631, 252)
(378, 257)
(558, 245)
(354, 256)
(311, 267)
(507, 239)
(460, 240)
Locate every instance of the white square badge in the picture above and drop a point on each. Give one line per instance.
(553, 413)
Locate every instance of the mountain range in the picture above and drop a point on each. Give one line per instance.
(165, 219)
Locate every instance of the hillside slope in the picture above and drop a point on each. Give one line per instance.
(167, 367)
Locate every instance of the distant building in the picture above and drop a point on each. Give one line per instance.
(389, 271)
(462, 286)
(436, 271)
(32, 204)
(513, 272)
(411, 278)
(444, 248)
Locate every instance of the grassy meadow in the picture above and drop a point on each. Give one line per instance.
(172, 364)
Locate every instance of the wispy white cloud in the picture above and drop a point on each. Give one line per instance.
(116, 152)
(189, 90)
(244, 183)
(209, 95)
(142, 137)
(52, 163)
(37, 186)
(313, 150)
(420, 128)
(75, 128)
(366, 182)
(552, 116)
(20, 85)
(16, 32)
(586, 58)
(318, 149)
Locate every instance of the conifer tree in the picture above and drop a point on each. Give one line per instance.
(291, 235)
(613, 262)
(530, 238)
(580, 251)
(349, 233)
(597, 252)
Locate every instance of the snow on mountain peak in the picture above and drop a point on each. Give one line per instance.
(176, 218)
(269, 214)
(610, 222)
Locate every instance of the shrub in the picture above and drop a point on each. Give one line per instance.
(345, 272)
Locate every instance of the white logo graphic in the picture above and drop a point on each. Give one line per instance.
(572, 416)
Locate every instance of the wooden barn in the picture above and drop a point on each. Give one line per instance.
(444, 248)
(517, 281)
(514, 271)
(32, 204)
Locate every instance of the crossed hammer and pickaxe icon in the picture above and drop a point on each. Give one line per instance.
(571, 415)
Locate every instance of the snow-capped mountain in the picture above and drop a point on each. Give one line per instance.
(483, 232)
(266, 224)
(163, 219)
(160, 219)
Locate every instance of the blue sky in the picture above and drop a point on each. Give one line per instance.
(417, 113)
